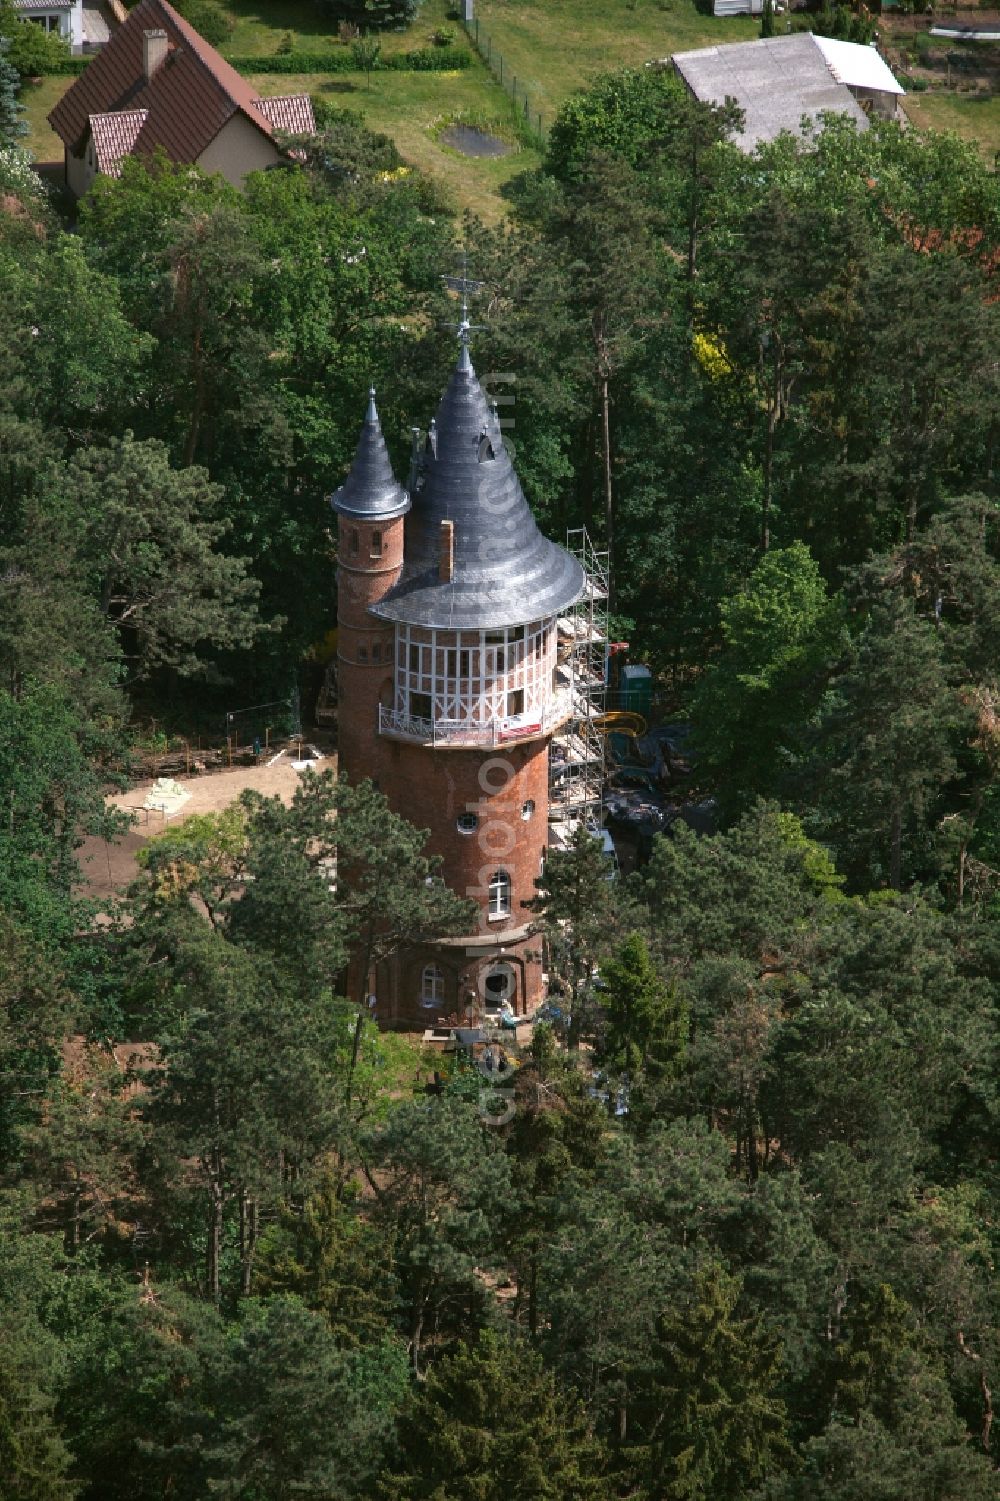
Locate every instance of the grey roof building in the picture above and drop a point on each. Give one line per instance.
(504, 572)
(779, 81)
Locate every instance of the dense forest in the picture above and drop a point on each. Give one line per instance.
(735, 1236)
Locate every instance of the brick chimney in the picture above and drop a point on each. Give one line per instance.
(446, 552)
(154, 52)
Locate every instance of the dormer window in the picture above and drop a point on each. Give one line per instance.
(486, 450)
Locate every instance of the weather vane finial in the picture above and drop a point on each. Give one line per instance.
(463, 285)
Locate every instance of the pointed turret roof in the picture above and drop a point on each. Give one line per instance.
(371, 492)
(505, 572)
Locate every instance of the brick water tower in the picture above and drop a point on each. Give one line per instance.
(448, 607)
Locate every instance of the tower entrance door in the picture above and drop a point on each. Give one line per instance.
(499, 986)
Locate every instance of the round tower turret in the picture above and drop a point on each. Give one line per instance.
(465, 710)
(370, 507)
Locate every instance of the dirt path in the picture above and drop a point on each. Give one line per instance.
(108, 868)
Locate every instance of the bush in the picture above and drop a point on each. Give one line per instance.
(444, 36)
(374, 15)
(425, 60)
(208, 19)
(431, 60)
(32, 51)
(287, 43)
(353, 149)
(62, 67)
(365, 53)
(347, 32)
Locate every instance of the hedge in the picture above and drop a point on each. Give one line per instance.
(423, 60)
(66, 66)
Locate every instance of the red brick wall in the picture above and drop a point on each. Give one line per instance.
(432, 787)
(398, 983)
(362, 580)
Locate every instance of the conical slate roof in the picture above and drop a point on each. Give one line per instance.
(505, 572)
(370, 491)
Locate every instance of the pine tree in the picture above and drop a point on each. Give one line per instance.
(645, 1022)
(883, 750)
(711, 1421)
(490, 1424)
(12, 126)
(575, 904)
(33, 1458)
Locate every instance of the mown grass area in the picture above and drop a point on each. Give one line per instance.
(38, 99)
(976, 117)
(259, 26)
(557, 46)
(410, 107)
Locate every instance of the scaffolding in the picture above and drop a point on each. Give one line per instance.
(576, 757)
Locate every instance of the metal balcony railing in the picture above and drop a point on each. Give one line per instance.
(400, 725)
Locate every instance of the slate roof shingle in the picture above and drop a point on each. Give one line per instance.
(506, 573)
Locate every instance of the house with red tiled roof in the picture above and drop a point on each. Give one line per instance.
(158, 85)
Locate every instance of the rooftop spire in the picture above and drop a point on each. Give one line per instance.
(370, 489)
(504, 572)
(465, 330)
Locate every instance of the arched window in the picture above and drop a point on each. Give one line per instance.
(355, 541)
(431, 986)
(376, 548)
(499, 894)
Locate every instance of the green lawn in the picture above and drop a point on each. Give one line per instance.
(556, 46)
(259, 25)
(976, 117)
(552, 46)
(38, 99)
(409, 107)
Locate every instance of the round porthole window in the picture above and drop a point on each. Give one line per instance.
(527, 809)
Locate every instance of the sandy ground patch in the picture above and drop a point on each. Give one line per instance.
(108, 868)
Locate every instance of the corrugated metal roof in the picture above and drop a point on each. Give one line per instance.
(189, 99)
(505, 572)
(859, 67)
(114, 136)
(776, 81)
(289, 112)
